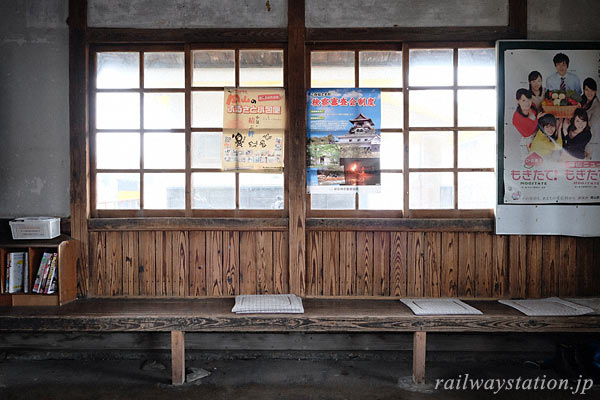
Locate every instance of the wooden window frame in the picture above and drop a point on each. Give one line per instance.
(188, 89)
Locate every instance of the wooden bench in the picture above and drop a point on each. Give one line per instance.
(339, 315)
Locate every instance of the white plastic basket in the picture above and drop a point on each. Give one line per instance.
(35, 228)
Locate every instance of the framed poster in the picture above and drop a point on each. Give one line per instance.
(548, 132)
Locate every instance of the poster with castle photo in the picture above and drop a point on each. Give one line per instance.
(343, 140)
(550, 126)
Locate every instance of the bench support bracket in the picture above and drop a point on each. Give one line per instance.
(419, 350)
(177, 357)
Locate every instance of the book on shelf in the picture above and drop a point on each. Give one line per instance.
(51, 275)
(16, 269)
(47, 271)
(40, 272)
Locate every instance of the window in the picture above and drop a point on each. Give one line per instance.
(438, 142)
(157, 127)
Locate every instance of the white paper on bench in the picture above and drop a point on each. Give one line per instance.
(551, 306)
(448, 306)
(268, 303)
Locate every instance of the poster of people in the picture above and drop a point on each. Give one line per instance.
(343, 140)
(253, 129)
(551, 124)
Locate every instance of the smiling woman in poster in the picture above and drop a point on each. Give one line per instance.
(525, 116)
(535, 87)
(547, 141)
(577, 134)
(591, 104)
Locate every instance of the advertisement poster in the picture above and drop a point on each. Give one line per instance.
(551, 129)
(253, 129)
(343, 139)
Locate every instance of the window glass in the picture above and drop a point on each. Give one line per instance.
(164, 110)
(476, 108)
(431, 190)
(431, 149)
(431, 108)
(213, 190)
(261, 68)
(117, 111)
(390, 197)
(476, 190)
(380, 69)
(207, 109)
(431, 67)
(117, 191)
(332, 69)
(476, 67)
(206, 149)
(118, 70)
(392, 110)
(118, 150)
(392, 150)
(261, 191)
(476, 149)
(332, 201)
(164, 70)
(164, 191)
(164, 150)
(213, 68)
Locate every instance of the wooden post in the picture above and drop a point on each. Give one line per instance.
(419, 350)
(177, 357)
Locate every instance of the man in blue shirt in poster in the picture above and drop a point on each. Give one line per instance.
(561, 79)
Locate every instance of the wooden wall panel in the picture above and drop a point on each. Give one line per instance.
(114, 263)
(449, 265)
(331, 263)
(180, 263)
(247, 263)
(431, 267)
(264, 262)
(483, 264)
(98, 264)
(585, 263)
(550, 260)
(347, 263)
(399, 263)
(364, 263)
(381, 264)
(146, 279)
(466, 264)
(314, 281)
(500, 266)
(415, 264)
(214, 263)
(130, 261)
(231, 263)
(567, 284)
(534, 266)
(197, 275)
(517, 264)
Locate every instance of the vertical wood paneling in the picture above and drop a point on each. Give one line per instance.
(214, 263)
(398, 267)
(247, 262)
(550, 261)
(585, 264)
(162, 251)
(381, 264)
(567, 281)
(466, 264)
(449, 265)
(197, 275)
(130, 261)
(500, 266)
(98, 265)
(364, 263)
(534, 266)
(517, 261)
(114, 261)
(331, 263)
(231, 262)
(416, 256)
(280, 263)
(347, 263)
(264, 262)
(147, 268)
(180, 263)
(315, 263)
(432, 270)
(483, 264)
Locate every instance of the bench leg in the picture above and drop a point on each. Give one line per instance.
(177, 357)
(419, 350)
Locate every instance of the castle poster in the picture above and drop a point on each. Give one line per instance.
(549, 130)
(343, 139)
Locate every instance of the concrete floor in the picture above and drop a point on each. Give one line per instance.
(266, 378)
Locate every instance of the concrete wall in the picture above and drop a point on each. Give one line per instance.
(34, 130)
(34, 108)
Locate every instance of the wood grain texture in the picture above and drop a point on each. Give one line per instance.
(146, 278)
(281, 274)
(419, 352)
(180, 263)
(177, 357)
(314, 255)
(247, 263)
(398, 267)
(483, 264)
(517, 253)
(264, 262)
(130, 261)
(231, 263)
(449, 265)
(585, 265)
(567, 284)
(114, 263)
(432, 269)
(415, 264)
(197, 275)
(347, 263)
(331, 263)
(381, 264)
(214, 263)
(500, 266)
(162, 254)
(550, 262)
(98, 266)
(534, 266)
(466, 264)
(364, 263)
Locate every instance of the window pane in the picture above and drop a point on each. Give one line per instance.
(392, 150)
(117, 150)
(476, 67)
(214, 68)
(213, 190)
(164, 191)
(477, 149)
(431, 190)
(321, 201)
(476, 107)
(261, 191)
(117, 111)
(431, 108)
(261, 68)
(118, 70)
(206, 149)
(117, 191)
(164, 150)
(476, 190)
(380, 69)
(164, 70)
(164, 111)
(391, 196)
(431, 150)
(392, 110)
(431, 67)
(332, 69)
(207, 109)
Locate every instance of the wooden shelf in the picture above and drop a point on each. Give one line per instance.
(66, 249)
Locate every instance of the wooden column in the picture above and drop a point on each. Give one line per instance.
(419, 350)
(177, 357)
(296, 145)
(78, 137)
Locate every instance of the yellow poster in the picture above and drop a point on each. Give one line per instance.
(254, 108)
(249, 149)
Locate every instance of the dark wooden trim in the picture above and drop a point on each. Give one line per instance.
(209, 35)
(517, 18)
(296, 140)
(401, 224)
(180, 224)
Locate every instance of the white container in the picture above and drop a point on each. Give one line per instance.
(35, 228)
